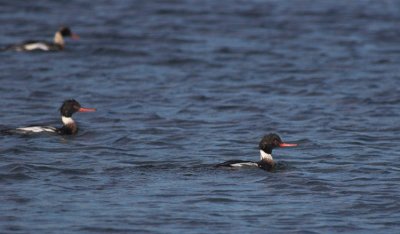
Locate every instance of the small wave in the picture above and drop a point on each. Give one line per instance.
(15, 176)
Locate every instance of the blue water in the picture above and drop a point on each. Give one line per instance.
(183, 85)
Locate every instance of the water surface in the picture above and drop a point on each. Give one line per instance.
(183, 85)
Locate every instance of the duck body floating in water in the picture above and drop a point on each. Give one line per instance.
(58, 43)
(69, 127)
(266, 145)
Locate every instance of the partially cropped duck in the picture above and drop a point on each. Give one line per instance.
(267, 144)
(69, 127)
(57, 44)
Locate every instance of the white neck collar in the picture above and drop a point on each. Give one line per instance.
(265, 156)
(58, 39)
(67, 120)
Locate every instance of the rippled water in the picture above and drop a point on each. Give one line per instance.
(183, 85)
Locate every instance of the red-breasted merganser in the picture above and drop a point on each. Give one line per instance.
(57, 44)
(267, 144)
(68, 108)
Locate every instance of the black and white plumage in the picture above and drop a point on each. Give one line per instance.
(266, 145)
(34, 45)
(69, 127)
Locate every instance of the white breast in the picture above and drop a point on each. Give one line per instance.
(36, 46)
